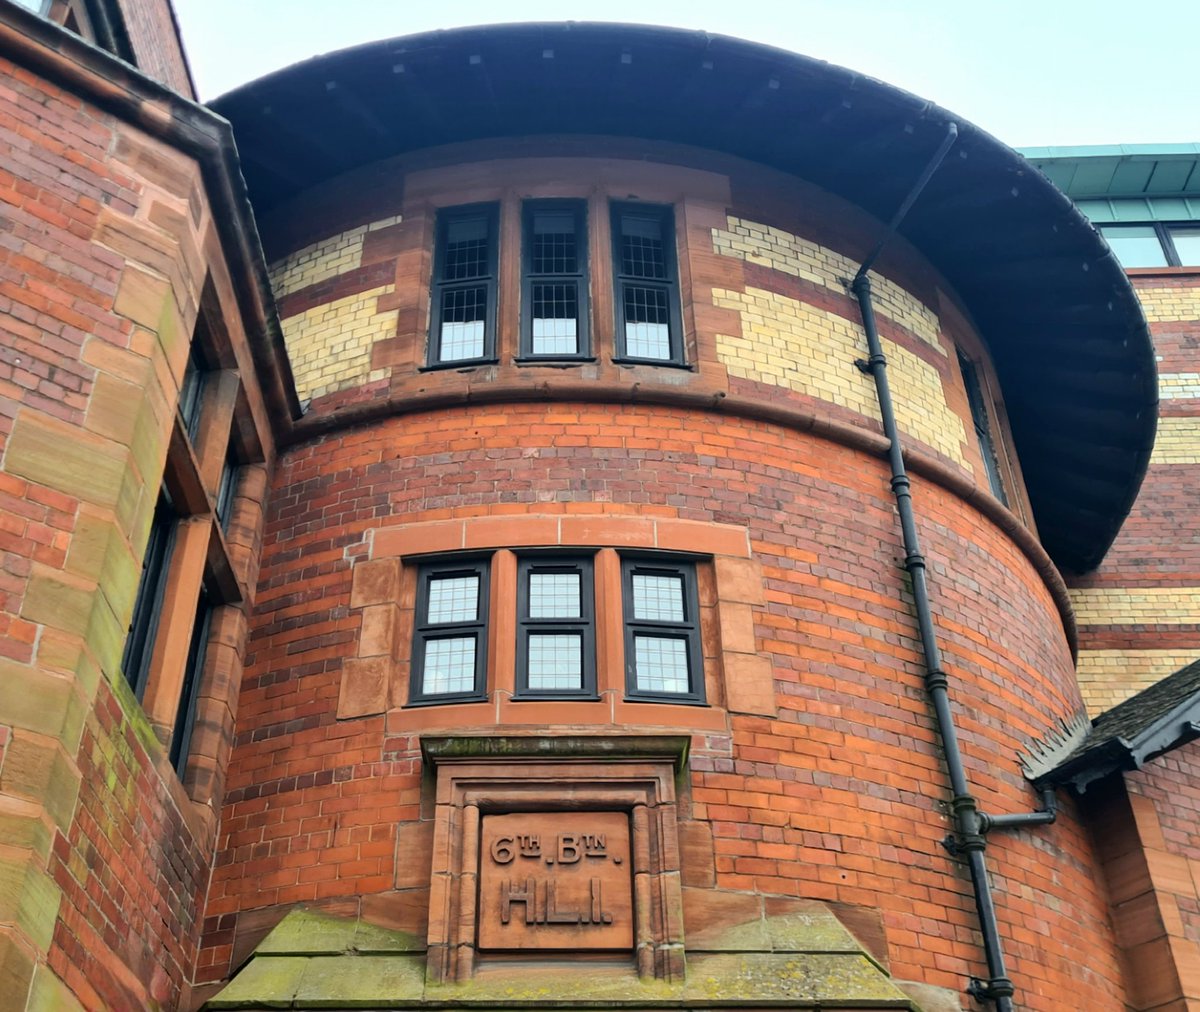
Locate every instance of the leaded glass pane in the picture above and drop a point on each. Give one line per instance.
(555, 661)
(464, 312)
(647, 323)
(643, 254)
(554, 246)
(466, 250)
(449, 665)
(555, 319)
(657, 598)
(554, 595)
(661, 664)
(453, 599)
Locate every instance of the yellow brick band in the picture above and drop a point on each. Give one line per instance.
(1167, 305)
(1109, 677)
(320, 261)
(1177, 442)
(787, 343)
(1174, 386)
(330, 345)
(1137, 605)
(792, 254)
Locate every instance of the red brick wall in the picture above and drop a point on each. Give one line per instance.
(131, 873)
(841, 797)
(156, 44)
(1123, 648)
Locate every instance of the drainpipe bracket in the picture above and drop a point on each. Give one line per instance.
(990, 990)
(864, 366)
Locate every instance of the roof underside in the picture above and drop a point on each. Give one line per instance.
(1065, 329)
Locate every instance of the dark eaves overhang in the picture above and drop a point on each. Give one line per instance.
(1066, 332)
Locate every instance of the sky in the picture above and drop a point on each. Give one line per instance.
(1031, 72)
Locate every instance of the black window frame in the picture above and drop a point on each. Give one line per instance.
(424, 631)
(193, 677)
(584, 625)
(191, 390)
(688, 630)
(664, 214)
(231, 471)
(579, 277)
(142, 634)
(1164, 232)
(981, 421)
(490, 214)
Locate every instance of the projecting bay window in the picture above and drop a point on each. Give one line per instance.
(463, 312)
(663, 659)
(556, 651)
(554, 288)
(646, 284)
(982, 425)
(450, 634)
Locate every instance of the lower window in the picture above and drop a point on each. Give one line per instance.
(556, 651)
(663, 659)
(450, 635)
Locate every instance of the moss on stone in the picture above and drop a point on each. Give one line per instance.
(264, 982)
(364, 981)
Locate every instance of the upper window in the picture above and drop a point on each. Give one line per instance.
(450, 635)
(556, 651)
(983, 429)
(1154, 244)
(554, 286)
(463, 313)
(646, 284)
(663, 659)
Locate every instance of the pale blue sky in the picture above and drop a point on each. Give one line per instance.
(1032, 72)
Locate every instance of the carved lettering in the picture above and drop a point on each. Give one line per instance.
(568, 848)
(502, 849)
(580, 890)
(527, 895)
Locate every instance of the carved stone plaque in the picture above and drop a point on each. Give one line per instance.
(555, 880)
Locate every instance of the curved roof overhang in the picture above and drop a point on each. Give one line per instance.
(1065, 329)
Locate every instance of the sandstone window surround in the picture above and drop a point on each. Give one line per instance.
(191, 585)
(731, 674)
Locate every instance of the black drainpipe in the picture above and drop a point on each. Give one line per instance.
(970, 824)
